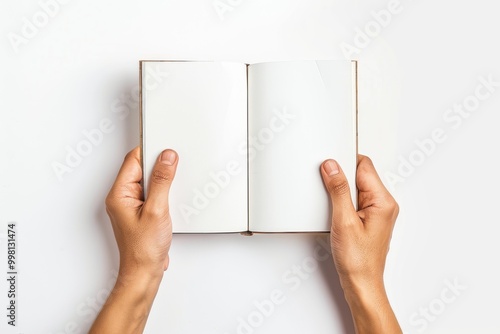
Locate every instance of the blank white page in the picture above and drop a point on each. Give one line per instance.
(300, 113)
(199, 110)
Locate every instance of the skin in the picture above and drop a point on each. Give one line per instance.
(360, 242)
(143, 231)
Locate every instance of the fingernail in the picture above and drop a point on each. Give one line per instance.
(168, 157)
(331, 167)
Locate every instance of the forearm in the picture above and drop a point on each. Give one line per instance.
(127, 308)
(370, 308)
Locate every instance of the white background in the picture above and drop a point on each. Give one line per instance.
(68, 76)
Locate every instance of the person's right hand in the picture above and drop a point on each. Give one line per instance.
(360, 242)
(143, 233)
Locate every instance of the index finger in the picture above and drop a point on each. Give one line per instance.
(130, 171)
(367, 178)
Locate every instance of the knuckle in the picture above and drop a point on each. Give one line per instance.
(110, 202)
(152, 213)
(395, 209)
(129, 155)
(366, 167)
(160, 176)
(343, 224)
(340, 187)
(391, 206)
(156, 212)
(367, 160)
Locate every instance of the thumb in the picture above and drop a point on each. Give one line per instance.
(338, 188)
(161, 180)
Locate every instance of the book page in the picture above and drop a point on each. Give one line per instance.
(199, 110)
(300, 114)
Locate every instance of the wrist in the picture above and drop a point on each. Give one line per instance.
(364, 293)
(370, 307)
(137, 288)
(139, 268)
(138, 277)
(129, 303)
(361, 283)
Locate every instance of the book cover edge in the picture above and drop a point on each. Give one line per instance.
(141, 125)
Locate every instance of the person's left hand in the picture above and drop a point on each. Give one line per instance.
(143, 229)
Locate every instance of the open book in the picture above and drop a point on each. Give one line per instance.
(250, 139)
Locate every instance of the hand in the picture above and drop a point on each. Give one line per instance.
(143, 232)
(360, 242)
